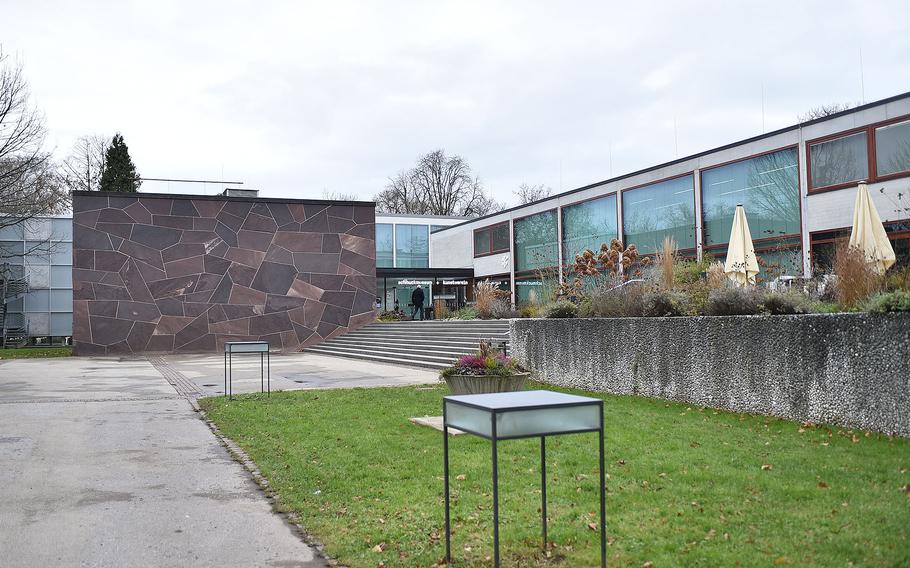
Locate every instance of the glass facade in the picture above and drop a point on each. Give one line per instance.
(837, 161)
(385, 248)
(44, 250)
(536, 288)
(767, 186)
(587, 226)
(892, 148)
(412, 246)
(536, 242)
(663, 209)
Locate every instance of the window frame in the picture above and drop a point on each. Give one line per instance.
(557, 214)
(871, 144)
(489, 229)
(842, 233)
(701, 219)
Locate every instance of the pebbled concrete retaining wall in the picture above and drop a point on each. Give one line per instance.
(846, 369)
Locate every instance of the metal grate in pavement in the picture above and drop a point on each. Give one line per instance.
(178, 380)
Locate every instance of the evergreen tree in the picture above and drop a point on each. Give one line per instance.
(119, 171)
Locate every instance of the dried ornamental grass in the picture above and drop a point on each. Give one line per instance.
(856, 279)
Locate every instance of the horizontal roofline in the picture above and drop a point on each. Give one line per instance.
(687, 158)
(221, 198)
(378, 214)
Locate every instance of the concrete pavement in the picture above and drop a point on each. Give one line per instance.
(103, 464)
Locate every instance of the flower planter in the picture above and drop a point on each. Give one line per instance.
(484, 384)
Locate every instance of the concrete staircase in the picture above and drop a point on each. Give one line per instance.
(431, 344)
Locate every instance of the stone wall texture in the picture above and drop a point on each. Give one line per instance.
(846, 369)
(166, 273)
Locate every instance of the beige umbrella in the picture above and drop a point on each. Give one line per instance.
(869, 234)
(741, 266)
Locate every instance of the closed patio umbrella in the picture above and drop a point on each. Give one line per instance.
(741, 266)
(869, 234)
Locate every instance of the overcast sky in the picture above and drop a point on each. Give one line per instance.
(295, 98)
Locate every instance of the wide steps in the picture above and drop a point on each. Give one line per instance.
(430, 344)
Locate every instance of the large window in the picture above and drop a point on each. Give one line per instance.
(535, 242)
(587, 226)
(892, 148)
(412, 246)
(838, 161)
(492, 239)
(663, 209)
(384, 246)
(767, 186)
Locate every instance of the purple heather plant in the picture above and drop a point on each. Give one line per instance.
(485, 362)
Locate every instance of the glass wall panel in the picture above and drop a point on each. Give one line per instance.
(538, 288)
(11, 252)
(38, 323)
(61, 253)
(11, 232)
(839, 161)
(37, 229)
(17, 305)
(767, 186)
(892, 148)
(37, 301)
(62, 229)
(37, 252)
(535, 241)
(664, 209)
(481, 242)
(781, 261)
(61, 276)
(38, 276)
(588, 225)
(412, 246)
(384, 246)
(61, 300)
(61, 324)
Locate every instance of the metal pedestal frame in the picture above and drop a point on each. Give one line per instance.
(265, 372)
(543, 487)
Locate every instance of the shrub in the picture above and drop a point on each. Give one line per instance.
(733, 301)
(786, 303)
(485, 362)
(825, 308)
(666, 263)
(528, 311)
(502, 309)
(395, 315)
(486, 294)
(467, 313)
(856, 280)
(665, 303)
(561, 309)
(716, 278)
(626, 300)
(896, 301)
(898, 278)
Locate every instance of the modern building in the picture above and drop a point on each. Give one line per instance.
(404, 261)
(797, 185)
(39, 253)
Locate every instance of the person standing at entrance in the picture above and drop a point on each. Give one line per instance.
(417, 302)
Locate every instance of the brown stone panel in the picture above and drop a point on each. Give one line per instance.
(108, 331)
(157, 273)
(158, 238)
(316, 262)
(273, 278)
(299, 242)
(253, 240)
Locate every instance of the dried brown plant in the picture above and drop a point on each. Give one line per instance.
(666, 262)
(856, 279)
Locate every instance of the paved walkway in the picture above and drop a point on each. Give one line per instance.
(105, 464)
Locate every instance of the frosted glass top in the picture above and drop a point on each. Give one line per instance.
(504, 401)
(522, 414)
(246, 346)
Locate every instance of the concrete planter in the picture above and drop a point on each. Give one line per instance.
(479, 384)
(846, 369)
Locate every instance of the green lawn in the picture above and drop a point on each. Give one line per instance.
(686, 486)
(35, 352)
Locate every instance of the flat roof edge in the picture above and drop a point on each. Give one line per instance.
(222, 198)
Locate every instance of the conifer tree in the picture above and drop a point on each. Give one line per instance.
(119, 171)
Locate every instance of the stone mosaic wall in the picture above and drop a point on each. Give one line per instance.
(165, 273)
(846, 369)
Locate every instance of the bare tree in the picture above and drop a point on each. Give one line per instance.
(29, 184)
(330, 195)
(822, 111)
(82, 169)
(437, 185)
(530, 193)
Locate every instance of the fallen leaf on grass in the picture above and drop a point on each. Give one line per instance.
(592, 526)
(461, 477)
(621, 462)
(766, 467)
(822, 485)
(379, 547)
(710, 534)
(906, 489)
(647, 564)
(781, 560)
